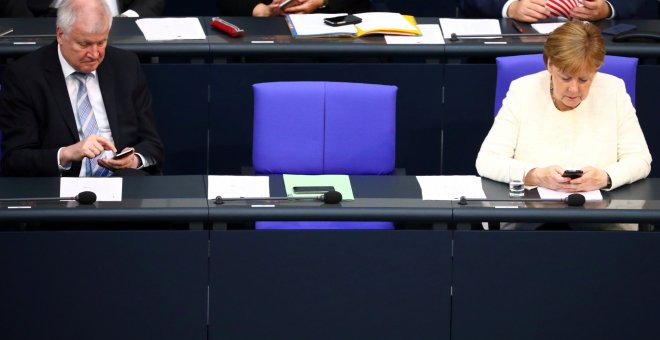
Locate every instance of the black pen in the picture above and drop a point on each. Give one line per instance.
(517, 26)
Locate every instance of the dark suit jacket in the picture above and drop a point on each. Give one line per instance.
(37, 119)
(14, 8)
(245, 7)
(145, 8)
(625, 9)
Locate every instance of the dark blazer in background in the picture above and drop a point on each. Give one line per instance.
(245, 7)
(625, 9)
(37, 119)
(14, 8)
(40, 8)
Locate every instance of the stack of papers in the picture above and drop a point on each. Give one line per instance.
(312, 25)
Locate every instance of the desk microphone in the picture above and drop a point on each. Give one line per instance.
(85, 197)
(572, 200)
(330, 197)
(456, 37)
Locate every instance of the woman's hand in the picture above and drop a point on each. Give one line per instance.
(549, 177)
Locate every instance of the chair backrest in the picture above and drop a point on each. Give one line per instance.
(514, 67)
(324, 128)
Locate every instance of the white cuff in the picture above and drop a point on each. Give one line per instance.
(62, 167)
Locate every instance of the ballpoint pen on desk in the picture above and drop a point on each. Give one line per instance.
(517, 26)
(2, 33)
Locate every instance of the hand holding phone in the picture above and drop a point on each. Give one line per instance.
(124, 153)
(572, 174)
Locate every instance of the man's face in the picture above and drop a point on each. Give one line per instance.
(81, 49)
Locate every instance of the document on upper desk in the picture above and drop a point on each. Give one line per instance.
(473, 27)
(238, 186)
(594, 195)
(108, 189)
(450, 188)
(164, 29)
(341, 183)
(546, 27)
(312, 25)
(430, 35)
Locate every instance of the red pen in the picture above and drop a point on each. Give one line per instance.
(517, 26)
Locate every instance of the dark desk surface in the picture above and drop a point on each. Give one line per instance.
(396, 198)
(271, 37)
(156, 199)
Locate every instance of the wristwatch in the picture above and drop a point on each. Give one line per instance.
(325, 4)
(609, 182)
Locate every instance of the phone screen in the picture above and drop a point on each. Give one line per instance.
(312, 189)
(286, 4)
(124, 154)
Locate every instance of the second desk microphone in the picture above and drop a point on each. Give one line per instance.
(572, 200)
(330, 197)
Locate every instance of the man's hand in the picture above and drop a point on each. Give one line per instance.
(130, 162)
(528, 10)
(592, 10)
(89, 147)
(304, 6)
(263, 10)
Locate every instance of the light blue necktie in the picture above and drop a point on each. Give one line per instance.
(88, 124)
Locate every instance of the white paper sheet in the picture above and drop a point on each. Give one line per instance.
(593, 195)
(546, 27)
(450, 187)
(162, 29)
(431, 34)
(107, 189)
(313, 25)
(238, 186)
(470, 27)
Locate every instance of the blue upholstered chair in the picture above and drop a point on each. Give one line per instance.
(514, 67)
(324, 128)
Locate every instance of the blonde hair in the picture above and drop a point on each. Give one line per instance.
(574, 46)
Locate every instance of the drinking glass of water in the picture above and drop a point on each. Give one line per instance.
(516, 180)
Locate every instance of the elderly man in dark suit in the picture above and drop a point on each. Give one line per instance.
(68, 107)
(535, 10)
(131, 8)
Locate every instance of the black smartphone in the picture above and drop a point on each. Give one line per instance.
(312, 189)
(342, 20)
(124, 153)
(286, 4)
(572, 174)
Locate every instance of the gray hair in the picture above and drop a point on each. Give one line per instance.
(93, 13)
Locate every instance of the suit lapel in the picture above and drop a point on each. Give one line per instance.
(55, 80)
(106, 83)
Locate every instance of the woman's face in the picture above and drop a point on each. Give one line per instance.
(569, 90)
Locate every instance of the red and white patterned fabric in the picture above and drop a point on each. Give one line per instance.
(562, 8)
